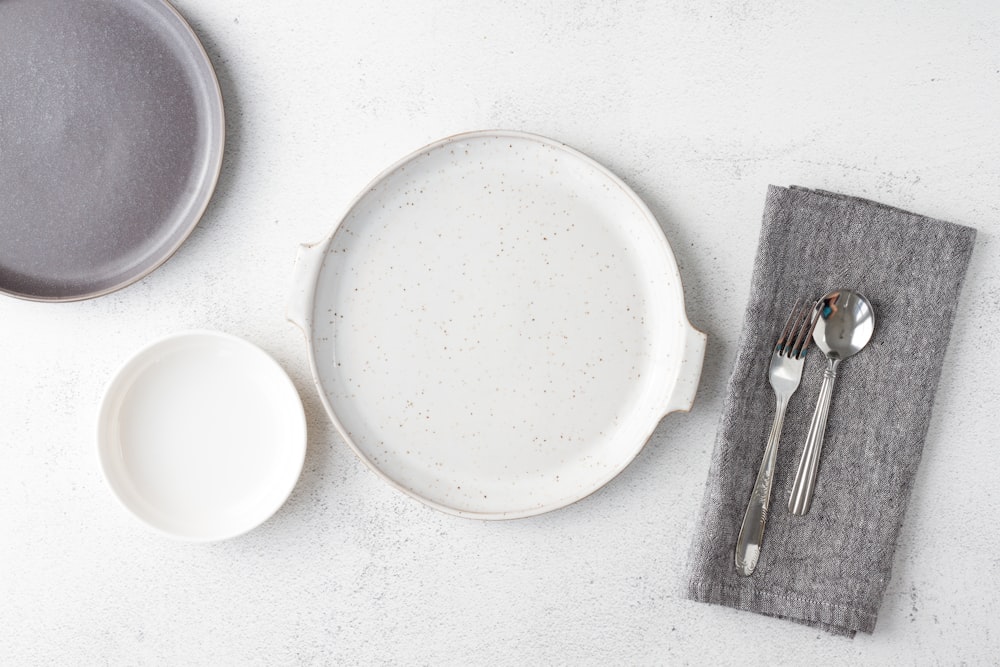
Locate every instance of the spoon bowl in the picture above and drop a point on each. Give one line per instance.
(846, 324)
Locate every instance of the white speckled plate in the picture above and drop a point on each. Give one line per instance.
(497, 325)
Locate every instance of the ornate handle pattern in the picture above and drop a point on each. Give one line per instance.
(752, 530)
(805, 478)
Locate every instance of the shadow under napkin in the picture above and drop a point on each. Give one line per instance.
(830, 568)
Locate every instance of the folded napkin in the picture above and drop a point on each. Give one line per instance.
(830, 568)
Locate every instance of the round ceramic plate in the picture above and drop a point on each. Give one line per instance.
(201, 436)
(111, 137)
(497, 325)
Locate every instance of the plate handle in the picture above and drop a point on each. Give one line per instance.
(308, 263)
(682, 397)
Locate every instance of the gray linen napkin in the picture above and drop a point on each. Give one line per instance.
(830, 568)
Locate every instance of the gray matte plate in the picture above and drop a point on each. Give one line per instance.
(111, 137)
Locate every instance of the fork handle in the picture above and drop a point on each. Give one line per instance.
(752, 530)
(805, 478)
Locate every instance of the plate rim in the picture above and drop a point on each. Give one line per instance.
(214, 171)
(111, 392)
(319, 251)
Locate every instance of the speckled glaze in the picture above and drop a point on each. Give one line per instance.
(497, 325)
(111, 137)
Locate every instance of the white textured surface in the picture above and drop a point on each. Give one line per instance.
(698, 106)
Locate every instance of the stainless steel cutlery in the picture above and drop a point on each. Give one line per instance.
(845, 325)
(841, 323)
(787, 360)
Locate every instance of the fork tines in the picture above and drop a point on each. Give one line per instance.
(798, 329)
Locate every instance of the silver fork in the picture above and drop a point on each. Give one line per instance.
(786, 371)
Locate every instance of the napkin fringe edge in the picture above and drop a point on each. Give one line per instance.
(838, 618)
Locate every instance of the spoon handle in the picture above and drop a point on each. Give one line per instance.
(805, 479)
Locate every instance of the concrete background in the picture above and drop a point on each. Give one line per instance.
(698, 106)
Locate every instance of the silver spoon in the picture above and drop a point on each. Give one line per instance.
(845, 326)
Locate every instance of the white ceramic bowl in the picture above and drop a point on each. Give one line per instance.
(201, 435)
